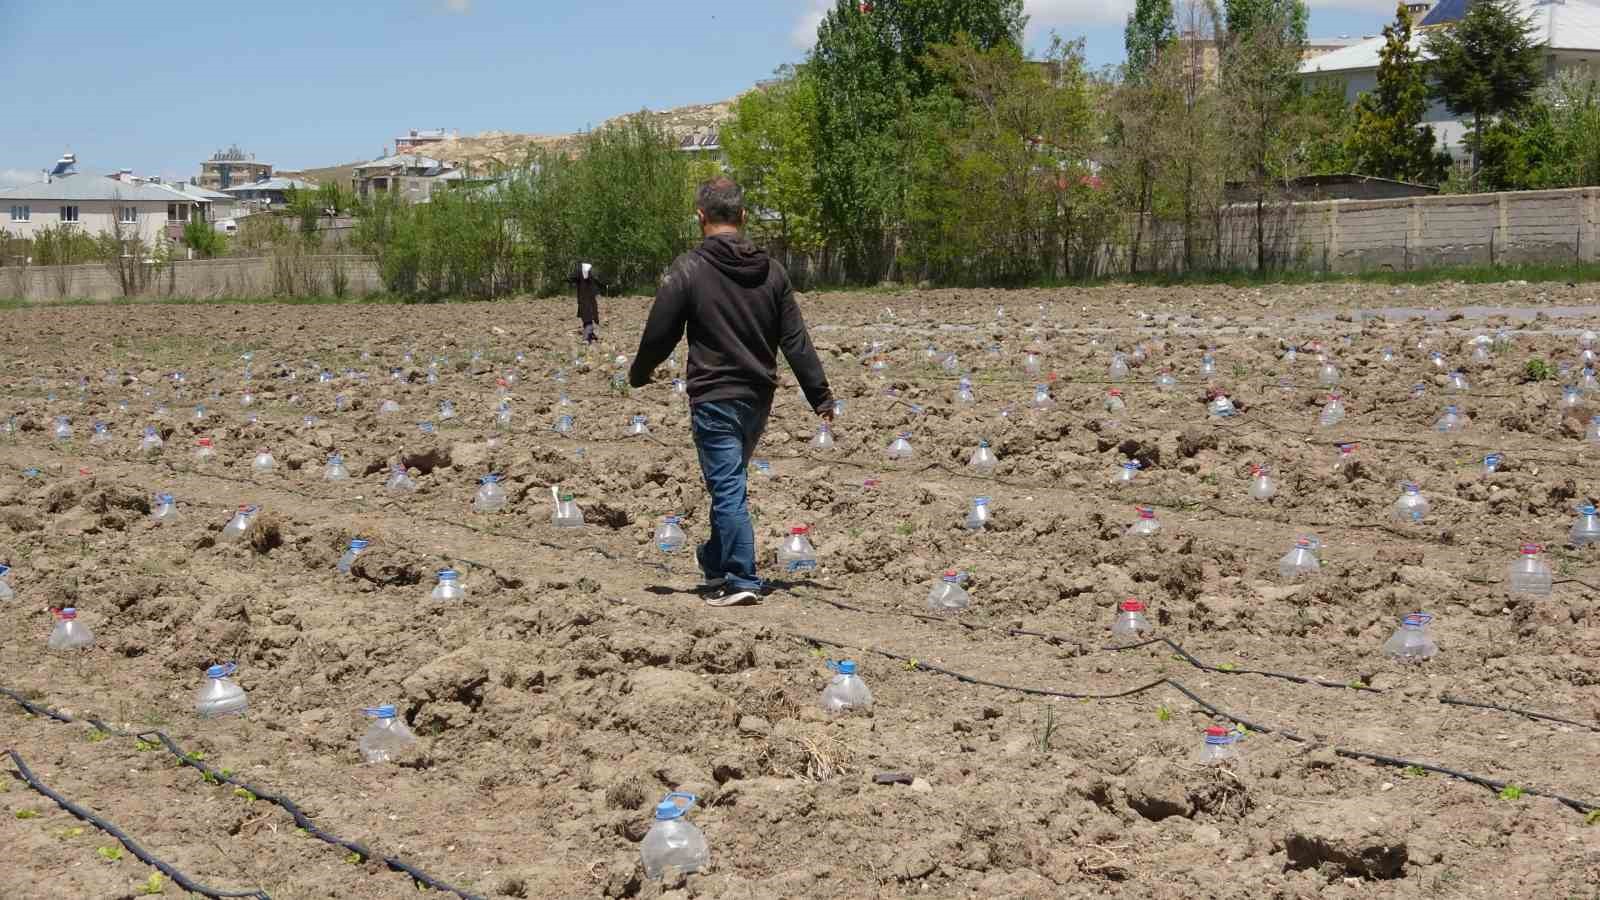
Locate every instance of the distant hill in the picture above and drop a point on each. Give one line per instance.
(497, 149)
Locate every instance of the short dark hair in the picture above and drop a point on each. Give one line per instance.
(722, 201)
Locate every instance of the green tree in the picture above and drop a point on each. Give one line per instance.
(1485, 66)
(1262, 49)
(1004, 157)
(1151, 30)
(1551, 142)
(771, 142)
(869, 70)
(1390, 140)
(204, 239)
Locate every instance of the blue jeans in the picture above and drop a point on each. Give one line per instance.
(725, 436)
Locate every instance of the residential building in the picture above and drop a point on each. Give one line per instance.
(231, 167)
(99, 205)
(267, 193)
(1204, 52)
(419, 141)
(1569, 32)
(409, 176)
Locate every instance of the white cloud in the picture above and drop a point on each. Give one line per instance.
(804, 34)
(17, 177)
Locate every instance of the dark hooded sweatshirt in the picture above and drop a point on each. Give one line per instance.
(588, 293)
(739, 309)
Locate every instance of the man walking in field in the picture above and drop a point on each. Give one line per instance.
(739, 309)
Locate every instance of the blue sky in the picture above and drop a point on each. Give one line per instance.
(159, 85)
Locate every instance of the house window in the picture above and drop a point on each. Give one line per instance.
(177, 212)
(21, 213)
(69, 214)
(128, 215)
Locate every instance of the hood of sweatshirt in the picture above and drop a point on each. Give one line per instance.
(743, 262)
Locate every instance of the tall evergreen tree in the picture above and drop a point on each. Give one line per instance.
(1390, 140)
(1485, 66)
(1151, 29)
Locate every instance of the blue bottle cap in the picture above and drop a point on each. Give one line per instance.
(1586, 509)
(359, 544)
(222, 671)
(674, 805)
(844, 666)
(164, 498)
(980, 501)
(983, 443)
(1417, 620)
(489, 479)
(3, 570)
(387, 711)
(448, 574)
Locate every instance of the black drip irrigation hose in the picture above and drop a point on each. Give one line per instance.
(1478, 704)
(1582, 806)
(1060, 641)
(301, 820)
(177, 877)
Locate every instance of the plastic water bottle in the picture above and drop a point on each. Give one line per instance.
(1588, 383)
(1480, 353)
(1131, 623)
(637, 427)
(1219, 747)
(566, 513)
(1412, 507)
(1118, 370)
(1329, 375)
(1587, 339)
(964, 395)
(673, 845)
(1586, 530)
(1492, 463)
(240, 523)
(151, 442)
(335, 470)
(6, 591)
(69, 633)
(221, 696)
(263, 461)
(1592, 433)
(1208, 365)
(1530, 574)
(1419, 390)
(1042, 398)
(1437, 359)
(1457, 382)
(978, 517)
(388, 408)
(563, 425)
(101, 434)
(983, 460)
(1262, 487)
(762, 467)
(387, 738)
(1387, 356)
(846, 690)
(449, 586)
(948, 595)
(900, 449)
(348, 559)
(669, 536)
(1301, 561)
(63, 429)
(491, 497)
(1031, 364)
(796, 556)
(1291, 354)
(824, 438)
(1221, 407)
(1411, 641)
(447, 410)
(1127, 473)
(164, 510)
(1571, 397)
(1114, 401)
(400, 481)
(1166, 381)
(1332, 412)
(1146, 525)
(1452, 421)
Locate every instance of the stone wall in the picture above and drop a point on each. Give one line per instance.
(292, 276)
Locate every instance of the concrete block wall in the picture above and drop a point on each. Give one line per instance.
(198, 279)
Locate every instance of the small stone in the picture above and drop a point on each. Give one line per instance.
(754, 725)
(921, 786)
